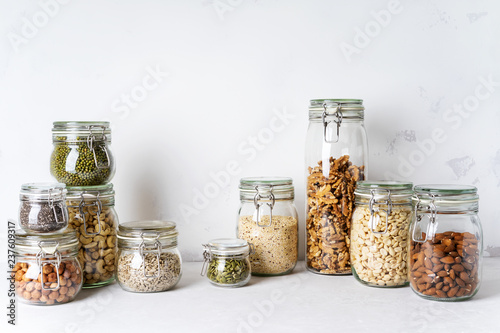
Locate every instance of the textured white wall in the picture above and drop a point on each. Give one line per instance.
(219, 89)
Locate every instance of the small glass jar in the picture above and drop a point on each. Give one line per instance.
(379, 233)
(148, 258)
(43, 207)
(446, 243)
(47, 271)
(226, 262)
(92, 214)
(82, 154)
(336, 158)
(267, 218)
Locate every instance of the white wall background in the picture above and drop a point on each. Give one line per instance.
(422, 67)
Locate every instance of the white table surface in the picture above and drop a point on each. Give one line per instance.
(299, 302)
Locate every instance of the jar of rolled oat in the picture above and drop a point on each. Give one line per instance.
(92, 214)
(446, 242)
(379, 233)
(148, 258)
(267, 219)
(47, 271)
(336, 159)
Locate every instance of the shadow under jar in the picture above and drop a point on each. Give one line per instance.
(148, 259)
(47, 271)
(82, 154)
(226, 262)
(446, 245)
(43, 207)
(336, 159)
(92, 214)
(379, 233)
(267, 219)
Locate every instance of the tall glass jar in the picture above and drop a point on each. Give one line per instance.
(82, 154)
(226, 262)
(148, 258)
(47, 271)
(446, 242)
(92, 214)
(43, 207)
(267, 218)
(379, 233)
(336, 159)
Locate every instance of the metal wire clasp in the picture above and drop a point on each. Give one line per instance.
(52, 206)
(431, 226)
(90, 144)
(44, 258)
(207, 257)
(338, 121)
(156, 251)
(97, 203)
(374, 210)
(258, 205)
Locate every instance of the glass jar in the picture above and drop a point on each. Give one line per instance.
(446, 243)
(43, 207)
(148, 258)
(92, 214)
(379, 233)
(82, 154)
(267, 218)
(47, 271)
(226, 262)
(336, 158)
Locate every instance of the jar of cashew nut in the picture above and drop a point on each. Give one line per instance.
(446, 243)
(92, 214)
(47, 271)
(379, 233)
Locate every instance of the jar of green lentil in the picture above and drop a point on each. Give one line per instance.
(226, 262)
(82, 154)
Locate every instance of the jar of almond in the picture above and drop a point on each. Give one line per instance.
(47, 271)
(446, 243)
(379, 233)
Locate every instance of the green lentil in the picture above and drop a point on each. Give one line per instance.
(82, 169)
(228, 271)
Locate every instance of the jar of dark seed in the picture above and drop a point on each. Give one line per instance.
(82, 154)
(226, 262)
(446, 243)
(47, 271)
(92, 214)
(43, 207)
(148, 258)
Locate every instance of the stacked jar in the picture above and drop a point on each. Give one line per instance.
(47, 271)
(336, 159)
(268, 219)
(82, 159)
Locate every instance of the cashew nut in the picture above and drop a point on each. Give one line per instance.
(99, 266)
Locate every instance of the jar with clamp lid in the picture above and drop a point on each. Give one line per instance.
(268, 219)
(43, 207)
(336, 159)
(148, 258)
(226, 262)
(47, 271)
(446, 243)
(379, 233)
(82, 154)
(92, 214)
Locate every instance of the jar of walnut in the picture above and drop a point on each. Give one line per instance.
(446, 243)
(47, 271)
(379, 233)
(336, 156)
(92, 214)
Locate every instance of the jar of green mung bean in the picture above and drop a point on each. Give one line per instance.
(82, 154)
(226, 262)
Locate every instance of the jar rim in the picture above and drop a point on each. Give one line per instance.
(277, 183)
(79, 125)
(90, 192)
(445, 189)
(44, 190)
(147, 229)
(350, 109)
(63, 241)
(228, 246)
(365, 186)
